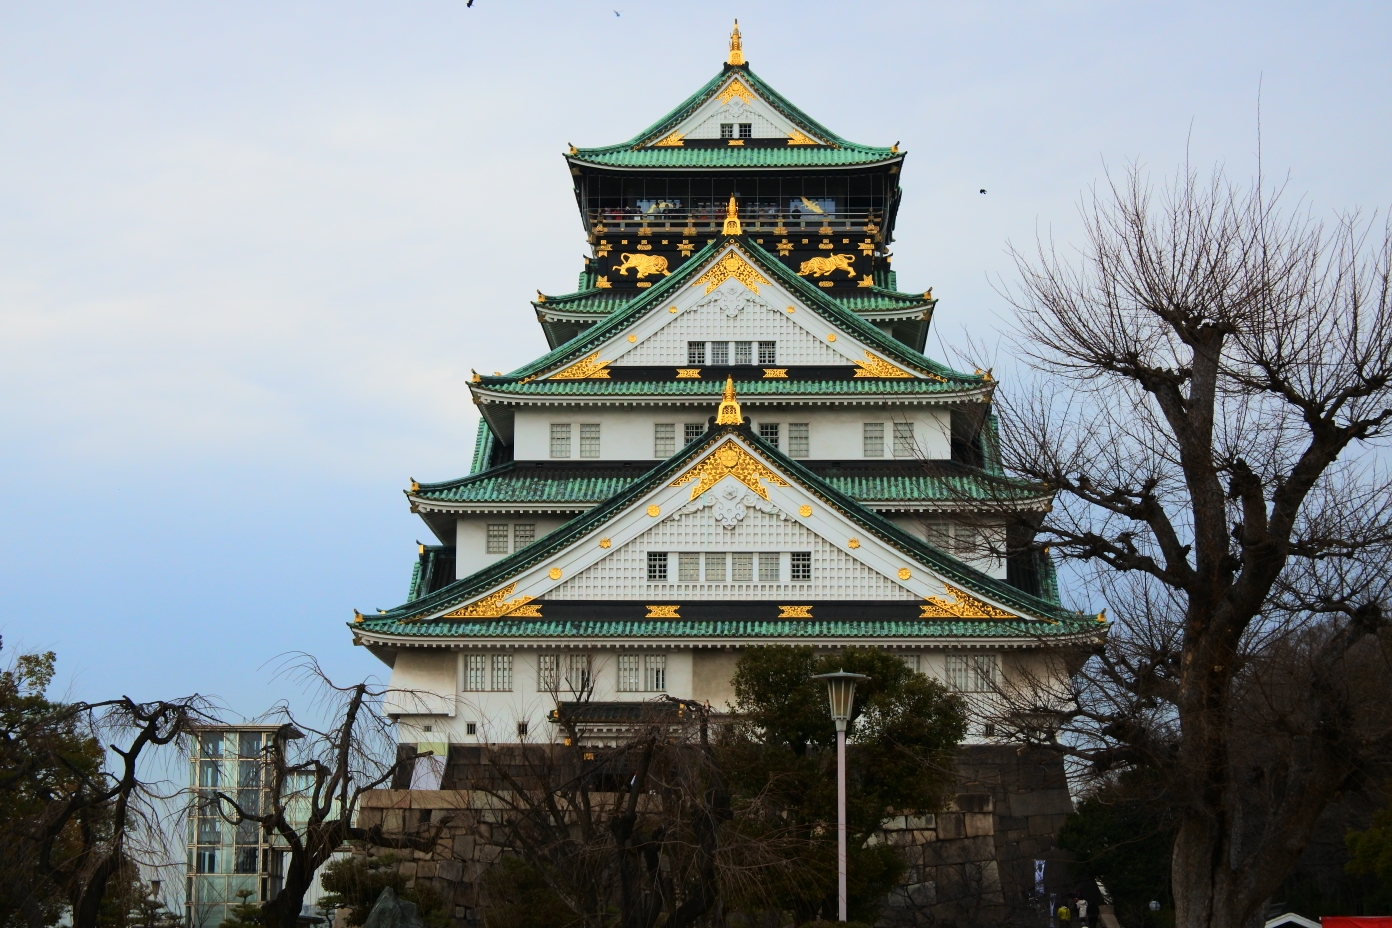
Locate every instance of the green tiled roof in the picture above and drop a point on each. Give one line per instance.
(637, 153)
(951, 569)
(682, 628)
(587, 486)
(603, 302)
(744, 388)
(483, 447)
(828, 308)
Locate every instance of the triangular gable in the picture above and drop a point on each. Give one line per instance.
(680, 491)
(735, 102)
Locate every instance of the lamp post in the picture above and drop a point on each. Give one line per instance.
(841, 693)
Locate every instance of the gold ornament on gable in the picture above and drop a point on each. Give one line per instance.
(732, 265)
(729, 459)
(591, 368)
(878, 367)
(492, 606)
(963, 606)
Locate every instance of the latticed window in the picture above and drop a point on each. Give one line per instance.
(983, 672)
(688, 567)
(959, 672)
(548, 672)
(904, 446)
(715, 566)
(502, 672)
(746, 130)
(768, 352)
(695, 352)
(742, 567)
(628, 673)
(799, 439)
(768, 566)
(720, 352)
(873, 433)
(800, 566)
(939, 534)
(560, 439)
(910, 661)
(655, 676)
(523, 534)
(657, 566)
(744, 352)
(497, 538)
(768, 431)
(727, 130)
(589, 439)
(475, 672)
(693, 431)
(578, 675)
(664, 439)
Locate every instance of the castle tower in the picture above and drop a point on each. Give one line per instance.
(735, 440)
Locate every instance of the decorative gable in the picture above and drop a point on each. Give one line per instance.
(735, 105)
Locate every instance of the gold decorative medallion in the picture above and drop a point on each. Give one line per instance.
(776, 373)
(738, 143)
(654, 511)
(785, 248)
(795, 612)
(866, 247)
(685, 248)
(905, 573)
(966, 606)
(797, 138)
(603, 283)
(791, 310)
(688, 373)
(853, 543)
(491, 606)
(821, 267)
(643, 283)
(641, 265)
(603, 250)
(671, 309)
(591, 368)
(831, 337)
(729, 459)
(632, 339)
(734, 89)
(732, 265)
(605, 542)
(554, 573)
(804, 511)
(663, 612)
(877, 367)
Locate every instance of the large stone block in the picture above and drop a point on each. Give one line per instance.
(951, 826)
(960, 851)
(451, 870)
(979, 823)
(1041, 802)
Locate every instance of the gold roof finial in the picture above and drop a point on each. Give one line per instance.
(729, 413)
(732, 223)
(736, 51)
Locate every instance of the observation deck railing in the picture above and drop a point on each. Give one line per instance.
(753, 219)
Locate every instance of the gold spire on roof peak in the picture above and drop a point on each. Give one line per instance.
(729, 413)
(732, 223)
(736, 50)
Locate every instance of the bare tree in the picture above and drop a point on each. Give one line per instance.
(324, 773)
(1214, 384)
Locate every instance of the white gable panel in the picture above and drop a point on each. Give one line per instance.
(767, 122)
(835, 574)
(732, 312)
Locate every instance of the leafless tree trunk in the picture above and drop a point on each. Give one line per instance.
(1214, 383)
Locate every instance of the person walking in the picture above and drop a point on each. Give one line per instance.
(1082, 913)
(1064, 916)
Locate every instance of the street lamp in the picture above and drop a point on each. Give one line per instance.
(841, 693)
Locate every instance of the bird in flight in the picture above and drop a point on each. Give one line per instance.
(616, 12)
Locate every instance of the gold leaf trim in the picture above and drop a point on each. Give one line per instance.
(797, 138)
(729, 459)
(529, 611)
(663, 612)
(878, 367)
(491, 606)
(795, 612)
(732, 265)
(734, 89)
(688, 373)
(776, 373)
(672, 141)
(966, 606)
(590, 368)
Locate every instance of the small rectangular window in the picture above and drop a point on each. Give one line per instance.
(497, 538)
(910, 661)
(628, 673)
(579, 677)
(720, 352)
(800, 566)
(715, 566)
(768, 431)
(874, 439)
(664, 439)
(521, 729)
(693, 430)
(471, 728)
(799, 439)
(746, 130)
(768, 352)
(958, 676)
(742, 567)
(984, 672)
(589, 439)
(744, 352)
(655, 675)
(502, 673)
(727, 130)
(548, 672)
(769, 566)
(688, 567)
(476, 672)
(695, 352)
(523, 534)
(657, 566)
(904, 446)
(560, 439)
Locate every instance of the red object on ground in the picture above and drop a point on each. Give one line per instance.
(1356, 921)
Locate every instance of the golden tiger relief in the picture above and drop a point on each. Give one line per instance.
(642, 265)
(820, 267)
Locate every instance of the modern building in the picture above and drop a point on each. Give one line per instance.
(735, 440)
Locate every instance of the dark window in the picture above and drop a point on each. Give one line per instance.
(720, 352)
(727, 130)
(695, 352)
(801, 566)
(746, 130)
(693, 431)
(768, 431)
(247, 859)
(521, 729)
(768, 352)
(207, 860)
(471, 728)
(657, 566)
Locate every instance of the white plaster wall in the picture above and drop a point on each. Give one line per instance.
(423, 683)
(471, 539)
(835, 432)
(767, 322)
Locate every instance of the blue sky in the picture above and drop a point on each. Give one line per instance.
(249, 252)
